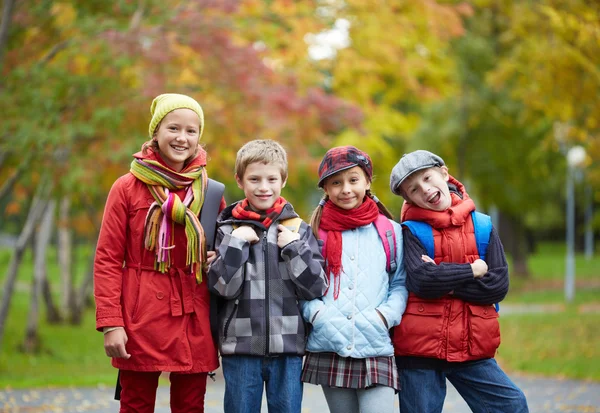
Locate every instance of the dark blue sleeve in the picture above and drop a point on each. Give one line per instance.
(429, 280)
(493, 286)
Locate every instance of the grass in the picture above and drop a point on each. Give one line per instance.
(69, 355)
(565, 344)
(562, 344)
(546, 282)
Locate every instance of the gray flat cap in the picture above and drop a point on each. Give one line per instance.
(410, 163)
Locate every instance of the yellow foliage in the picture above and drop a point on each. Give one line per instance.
(130, 76)
(187, 77)
(64, 15)
(81, 64)
(31, 34)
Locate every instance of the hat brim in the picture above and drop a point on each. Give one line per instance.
(324, 177)
(396, 190)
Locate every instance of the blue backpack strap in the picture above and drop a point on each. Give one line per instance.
(385, 230)
(423, 232)
(483, 229)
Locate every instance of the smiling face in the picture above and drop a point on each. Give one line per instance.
(347, 189)
(428, 189)
(177, 137)
(262, 184)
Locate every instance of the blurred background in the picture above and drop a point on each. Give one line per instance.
(506, 91)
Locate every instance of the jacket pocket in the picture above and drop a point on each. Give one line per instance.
(421, 331)
(153, 299)
(130, 293)
(484, 330)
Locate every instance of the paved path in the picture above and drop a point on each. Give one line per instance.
(544, 395)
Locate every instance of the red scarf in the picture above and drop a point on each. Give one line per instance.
(243, 211)
(335, 220)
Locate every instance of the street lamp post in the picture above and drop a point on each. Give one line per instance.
(575, 157)
(589, 216)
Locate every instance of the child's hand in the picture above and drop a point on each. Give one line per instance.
(382, 318)
(114, 343)
(285, 236)
(427, 258)
(480, 268)
(246, 233)
(210, 256)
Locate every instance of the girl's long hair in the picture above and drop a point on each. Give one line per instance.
(315, 219)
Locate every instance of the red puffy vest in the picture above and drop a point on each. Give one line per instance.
(449, 328)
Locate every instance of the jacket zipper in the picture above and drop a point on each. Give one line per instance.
(265, 262)
(235, 304)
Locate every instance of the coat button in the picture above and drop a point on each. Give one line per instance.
(352, 258)
(349, 317)
(160, 295)
(349, 347)
(421, 309)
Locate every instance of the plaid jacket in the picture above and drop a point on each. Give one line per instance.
(261, 285)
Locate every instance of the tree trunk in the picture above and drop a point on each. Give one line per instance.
(52, 313)
(81, 299)
(514, 239)
(35, 212)
(65, 256)
(31, 343)
(4, 27)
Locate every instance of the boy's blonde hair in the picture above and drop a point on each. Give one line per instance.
(264, 151)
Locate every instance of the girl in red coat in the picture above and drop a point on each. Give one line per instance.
(151, 302)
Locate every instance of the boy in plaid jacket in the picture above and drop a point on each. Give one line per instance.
(262, 269)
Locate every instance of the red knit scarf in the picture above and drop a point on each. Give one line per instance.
(243, 211)
(335, 220)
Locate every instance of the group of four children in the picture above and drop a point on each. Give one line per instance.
(298, 303)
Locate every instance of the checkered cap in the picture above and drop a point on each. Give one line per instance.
(411, 163)
(342, 158)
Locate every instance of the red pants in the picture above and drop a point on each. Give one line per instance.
(138, 394)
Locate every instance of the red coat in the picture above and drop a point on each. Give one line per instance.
(448, 328)
(166, 316)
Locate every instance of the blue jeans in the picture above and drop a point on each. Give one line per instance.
(246, 376)
(483, 385)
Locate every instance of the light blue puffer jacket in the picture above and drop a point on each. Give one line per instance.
(350, 325)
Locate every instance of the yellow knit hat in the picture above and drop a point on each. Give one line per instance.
(168, 102)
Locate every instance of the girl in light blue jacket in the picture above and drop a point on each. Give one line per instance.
(349, 350)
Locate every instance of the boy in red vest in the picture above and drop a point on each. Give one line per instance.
(450, 328)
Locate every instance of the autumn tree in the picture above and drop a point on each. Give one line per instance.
(80, 76)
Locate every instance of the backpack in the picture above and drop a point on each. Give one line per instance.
(482, 225)
(386, 233)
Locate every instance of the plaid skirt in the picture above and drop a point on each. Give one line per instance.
(332, 370)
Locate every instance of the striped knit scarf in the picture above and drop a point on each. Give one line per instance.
(168, 209)
(243, 211)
